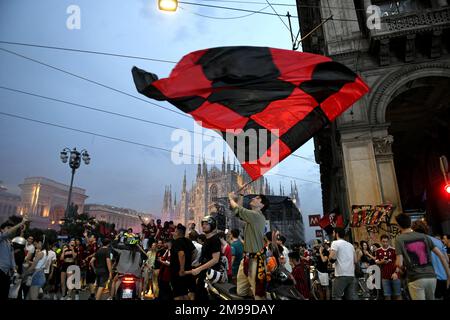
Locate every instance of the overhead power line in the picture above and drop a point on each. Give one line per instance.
(86, 51)
(124, 140)
(280, 4)
(92, 81)
(222, 18)
(78, 105)
(246, 10)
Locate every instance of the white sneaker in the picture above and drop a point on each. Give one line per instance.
(77, 297)
(69, 298)
(63, 298)
(55, 297)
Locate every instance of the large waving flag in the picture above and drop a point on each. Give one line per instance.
(266, 102)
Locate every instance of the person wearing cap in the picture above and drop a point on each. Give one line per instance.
(209, 259)
(250, 278)
(7, 263)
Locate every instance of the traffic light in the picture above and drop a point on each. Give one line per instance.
(447, 188)
(444, 169)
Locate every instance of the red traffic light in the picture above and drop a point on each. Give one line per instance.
(447, 188)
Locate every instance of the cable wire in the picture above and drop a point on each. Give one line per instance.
(92, 81)
(246, 10)
(222, 18)
(86, 51)
(125, 116)
(124, 140)
(278, 15)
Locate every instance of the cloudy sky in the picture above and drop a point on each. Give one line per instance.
(126, 174)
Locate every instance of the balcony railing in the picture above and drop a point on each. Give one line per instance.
(412, 22)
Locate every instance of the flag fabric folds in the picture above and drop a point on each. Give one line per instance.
(265, 102)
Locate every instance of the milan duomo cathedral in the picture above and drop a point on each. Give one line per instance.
(212, 183)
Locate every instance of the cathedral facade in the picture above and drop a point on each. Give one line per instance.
(210, 184)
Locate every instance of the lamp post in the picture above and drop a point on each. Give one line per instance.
(74, 164)
(168, 5)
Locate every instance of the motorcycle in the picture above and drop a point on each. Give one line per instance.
(127, 289)
(281, 287)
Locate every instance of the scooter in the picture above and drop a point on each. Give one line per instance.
(281, 287)
(128, 287)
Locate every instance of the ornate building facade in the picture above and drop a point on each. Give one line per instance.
(122, 218)
(45, 201)
(9, 203)
(386, 148)
(210, 184)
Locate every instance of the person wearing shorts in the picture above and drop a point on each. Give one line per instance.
(103, 270)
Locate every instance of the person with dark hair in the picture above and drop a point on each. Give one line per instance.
(442, 292)
(298, 274)
(237, 252)
(181, 253)
(7, 263)
(159, 229)
(446, 242)
(385, 259)
(342, 253)
(37, 270)
(281, 240)
(101, 263)
(209, 260)
(68, 258)
(165, 291)
(91, 249)
(250, 278)
(367, 258)
(165, 231)
(414, 255)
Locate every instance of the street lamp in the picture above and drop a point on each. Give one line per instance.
(74, 164)
(168, 5)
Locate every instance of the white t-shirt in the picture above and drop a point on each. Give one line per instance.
(29, 248)
(51, 257)
(198, 249)
(345, 261)
(287, 265)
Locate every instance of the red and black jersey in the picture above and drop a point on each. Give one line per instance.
(280, 98)
(388, 255)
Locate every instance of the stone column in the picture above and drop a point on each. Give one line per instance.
(382, 145)
(360, 168)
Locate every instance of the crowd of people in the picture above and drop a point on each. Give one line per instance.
(172, 262)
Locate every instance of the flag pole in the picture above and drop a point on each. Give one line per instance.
(244, 186)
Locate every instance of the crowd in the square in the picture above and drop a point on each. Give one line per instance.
(173, 262)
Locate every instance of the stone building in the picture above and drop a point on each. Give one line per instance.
(122, 218)
(45, 201)
(9, 203)
(210, 184)
(386, 148)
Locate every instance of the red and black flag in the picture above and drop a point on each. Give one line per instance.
(266, 102)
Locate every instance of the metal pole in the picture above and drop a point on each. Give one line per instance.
(70, 193)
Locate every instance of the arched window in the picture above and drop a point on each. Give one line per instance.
(213, 191)
(191, 214)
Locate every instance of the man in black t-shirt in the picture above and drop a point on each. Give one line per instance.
(181, 261)
(321, 255)
(103, 270)
(210, 257)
